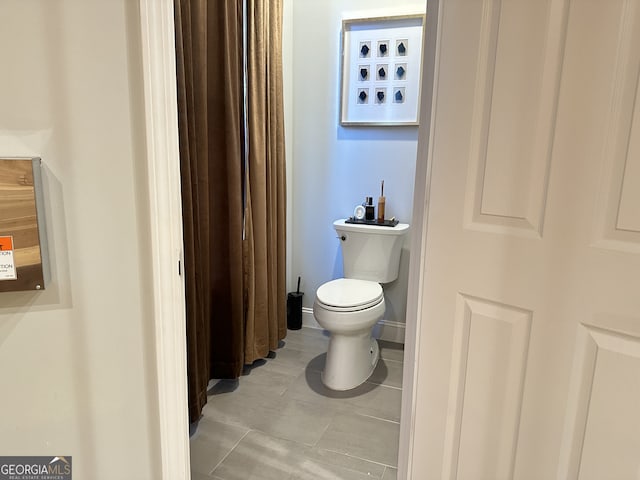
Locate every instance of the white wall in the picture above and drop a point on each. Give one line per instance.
(334, 167)
(76, 360)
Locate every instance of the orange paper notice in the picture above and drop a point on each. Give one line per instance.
(6, 243)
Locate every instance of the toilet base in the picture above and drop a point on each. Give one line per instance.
(351, 359)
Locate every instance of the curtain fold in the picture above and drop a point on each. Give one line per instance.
(265, 213)
(225, 138)
(209, 79)
(234, 217)
(191, 119)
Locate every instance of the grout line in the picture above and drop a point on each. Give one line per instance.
(377, 418)
(333, 417)
(392, 360)
(383, 385)
(360, 458)
(229, 452)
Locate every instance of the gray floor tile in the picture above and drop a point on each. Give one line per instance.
(261, 457)
(316, 364)
(200, 476)
(266, 378)
(390, 474)
(308, 340)
(368, 399)
(299, 421)
(387, 372)
(243, 407)
(290, 360)
(363, 437)
(211, 443)
(309, 385)
(281, 417)
(391, 350)
(290, 427)
(320, 471)
(381, 402)
(364, 467)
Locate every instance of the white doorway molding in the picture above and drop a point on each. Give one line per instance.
(430, 62)
(165, 206)
(158, 54)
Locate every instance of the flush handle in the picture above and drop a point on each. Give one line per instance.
(343, 237)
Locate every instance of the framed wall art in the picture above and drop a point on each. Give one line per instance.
(381, 70)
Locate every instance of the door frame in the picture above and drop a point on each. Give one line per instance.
(165, 205)
(419, 225)
(165, 210)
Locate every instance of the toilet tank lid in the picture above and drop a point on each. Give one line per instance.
(349, 292)
(399, 229)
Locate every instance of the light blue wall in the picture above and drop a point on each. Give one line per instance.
(332, 168)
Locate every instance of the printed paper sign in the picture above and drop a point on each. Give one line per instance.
(7, 262)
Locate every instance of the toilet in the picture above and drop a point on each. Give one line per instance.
(349, 307)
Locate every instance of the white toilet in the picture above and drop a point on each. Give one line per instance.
(349, 307)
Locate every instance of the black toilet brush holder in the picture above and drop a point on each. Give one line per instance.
(294, 309)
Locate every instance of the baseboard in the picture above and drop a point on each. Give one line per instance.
(308, 320)
(384, 330)
(389, 331)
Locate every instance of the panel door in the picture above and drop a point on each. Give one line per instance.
(529, 362)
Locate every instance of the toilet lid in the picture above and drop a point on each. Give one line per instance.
(349, 293)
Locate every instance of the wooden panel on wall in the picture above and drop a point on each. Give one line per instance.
(490, 347)
(19, 221)
(515, 104)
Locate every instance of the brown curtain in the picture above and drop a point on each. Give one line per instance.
(266, 192)
(233, 200)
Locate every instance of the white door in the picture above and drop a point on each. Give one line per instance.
(529, 343)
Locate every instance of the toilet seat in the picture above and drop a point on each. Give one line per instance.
(349, 295)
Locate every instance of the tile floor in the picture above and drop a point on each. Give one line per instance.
(279, 422)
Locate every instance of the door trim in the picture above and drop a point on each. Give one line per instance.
(165, 208)
(163, 164)
(420, 220)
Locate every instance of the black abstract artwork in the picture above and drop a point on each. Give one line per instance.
(381, 70)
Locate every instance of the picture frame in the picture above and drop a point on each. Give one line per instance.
(381, 70)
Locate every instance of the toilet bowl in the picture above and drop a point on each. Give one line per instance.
(348, 308)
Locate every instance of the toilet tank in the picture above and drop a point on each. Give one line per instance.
(370, 252)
